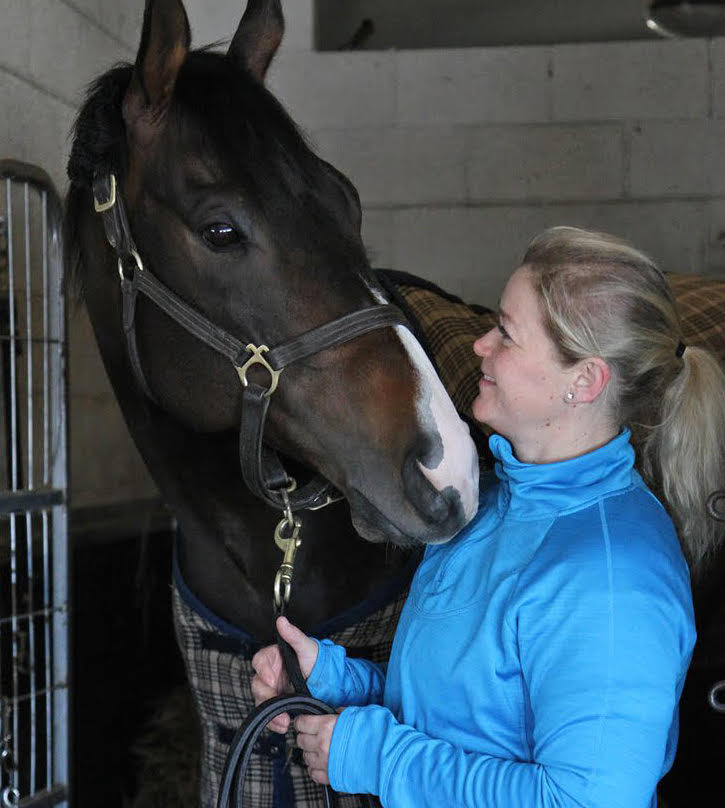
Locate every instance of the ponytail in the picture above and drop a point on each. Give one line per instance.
(683, 455)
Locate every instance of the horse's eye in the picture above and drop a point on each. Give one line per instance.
(220, 235)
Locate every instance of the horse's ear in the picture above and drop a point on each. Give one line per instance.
(258, 36)
(165, 41)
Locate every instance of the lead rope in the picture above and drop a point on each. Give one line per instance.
(231, 790)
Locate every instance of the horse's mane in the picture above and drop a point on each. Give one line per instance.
(98, 133)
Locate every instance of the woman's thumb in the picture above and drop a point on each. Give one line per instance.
(291, 634)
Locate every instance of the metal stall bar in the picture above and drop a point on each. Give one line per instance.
(33, 498)
(58, 418)
(12, 763)
(46, 482)
(30, 483)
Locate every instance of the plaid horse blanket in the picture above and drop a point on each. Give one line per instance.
(218, 656)
(218, 660)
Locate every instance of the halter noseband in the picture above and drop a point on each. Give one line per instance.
(261, 467)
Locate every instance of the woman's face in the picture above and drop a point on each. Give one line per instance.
(522, 391)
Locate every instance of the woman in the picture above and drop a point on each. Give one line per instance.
(541, 653)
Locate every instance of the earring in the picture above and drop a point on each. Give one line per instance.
(570, 395)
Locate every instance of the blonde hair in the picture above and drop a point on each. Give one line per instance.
(602, 297)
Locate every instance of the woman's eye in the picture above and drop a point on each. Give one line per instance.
(502, 331)
(220, 235)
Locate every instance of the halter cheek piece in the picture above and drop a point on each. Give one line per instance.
(261, 467)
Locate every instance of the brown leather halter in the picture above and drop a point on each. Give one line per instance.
(261, 467)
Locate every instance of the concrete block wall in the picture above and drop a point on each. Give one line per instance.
(460, 156)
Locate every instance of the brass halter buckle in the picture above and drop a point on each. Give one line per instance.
(257, 358)
(102, 206)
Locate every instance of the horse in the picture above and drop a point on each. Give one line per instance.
(221, 264)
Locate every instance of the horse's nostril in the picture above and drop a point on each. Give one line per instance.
(436, 507)
(429, 452)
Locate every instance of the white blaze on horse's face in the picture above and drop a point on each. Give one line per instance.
(458, 466)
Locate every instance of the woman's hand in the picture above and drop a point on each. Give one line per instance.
(270, 678)
(314, 733)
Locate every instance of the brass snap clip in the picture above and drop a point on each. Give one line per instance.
(258, 359)
(286, 537)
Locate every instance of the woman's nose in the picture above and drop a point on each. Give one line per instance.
(482, 346)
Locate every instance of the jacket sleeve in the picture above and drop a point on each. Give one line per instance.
(340, 680)
(603, 653)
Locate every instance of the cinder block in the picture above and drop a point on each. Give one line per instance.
(34, 127)
(83, 50)
(213, 21)
(123, 20)
(87, 376)
(103, 458)
(299, 17)
(410, 165)
(47, 139)
(534, 162)
(86, 373)
(715, 246)
(341, 90)
(671, 232)
(474, 85)
(671, 158)
(377, 236)
(80, 331)
(472, 251)
(469, 251)
(15, 35)
(92, 8)
(14, 121)
(633, 80)
(210, 21)
(717, 76)
(57, 68)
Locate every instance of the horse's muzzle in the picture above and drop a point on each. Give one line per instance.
(442, 511)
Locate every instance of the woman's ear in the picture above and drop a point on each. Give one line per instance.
(591, 379)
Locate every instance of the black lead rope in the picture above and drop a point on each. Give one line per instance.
(231, 791)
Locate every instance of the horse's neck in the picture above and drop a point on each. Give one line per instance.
(226, 549)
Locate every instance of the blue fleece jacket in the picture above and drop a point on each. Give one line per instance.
(540, 656)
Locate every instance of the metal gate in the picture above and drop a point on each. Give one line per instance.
(33, 493)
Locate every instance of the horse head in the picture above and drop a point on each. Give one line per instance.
(232, 210)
